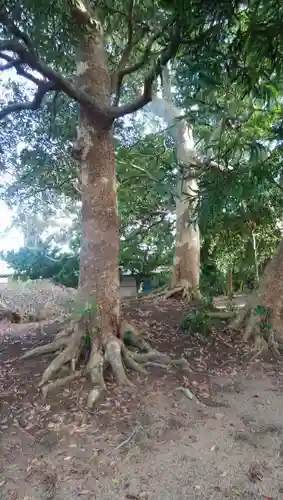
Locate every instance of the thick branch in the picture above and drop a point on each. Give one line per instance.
(17, 65)
(4, 67)
(15, 31)
(124, 71)
(11, 62)
(43, 88)
(146, 97)
(28, 56)
(58, 81)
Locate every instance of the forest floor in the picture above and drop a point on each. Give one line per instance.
(150, 443)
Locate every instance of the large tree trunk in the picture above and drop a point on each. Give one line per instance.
(262, 318)
(186, 269)
(96, 323)
(98, 293)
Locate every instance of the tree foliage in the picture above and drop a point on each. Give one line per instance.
(44, 263)
(227, 58)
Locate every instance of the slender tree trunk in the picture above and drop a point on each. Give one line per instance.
(186, 269)
(255, 258)
(262, 317)
(230, 282)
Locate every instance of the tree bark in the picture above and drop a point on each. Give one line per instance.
(96, 321)
(99, 274)
(186, 269)
(255, 258)
(262, 318)
(96, 324)
(230, 282)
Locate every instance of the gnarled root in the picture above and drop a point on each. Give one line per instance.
(241, 317)
(259, 350)
(259, 326)
(130, 362)
(60, 382)
(182, 292)
(43, 349)
(185, 292)
(117, 352)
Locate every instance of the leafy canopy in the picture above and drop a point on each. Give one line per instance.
(228, 63)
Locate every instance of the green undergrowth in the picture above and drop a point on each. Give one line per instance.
(197, 321)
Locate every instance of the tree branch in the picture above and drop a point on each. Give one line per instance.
(15, 31)
(129, 45)
(18, 66)
(4, 67)
(139, 64)
(168, 53)
(57, 79)
(144, 229)
(43, 88)
(123, 71)
(116, 80)
(105, 114)
(11, 62)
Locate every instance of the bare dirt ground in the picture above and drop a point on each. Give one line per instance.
(150, 443)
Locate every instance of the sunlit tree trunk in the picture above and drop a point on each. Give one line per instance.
(186, 268)
(230, 281)
(255, 258)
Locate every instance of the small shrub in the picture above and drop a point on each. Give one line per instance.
(196, 322)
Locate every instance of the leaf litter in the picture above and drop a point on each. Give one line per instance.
(170, 438)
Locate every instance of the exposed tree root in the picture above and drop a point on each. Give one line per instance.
(132, 337)
(179, 290)
(182, 364)
(66, 332)
(130, 362)
(182, 292)
(60, 382)
(259, 326)
(257, 354)
(274, 345)
(94, 397)
(190, 395)
(242, 315)
(220, 314)
(152, 355)
(70, 354)
(113, 355)
(43, 349)
(128, 350)
(156, 365)
(95, 367)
